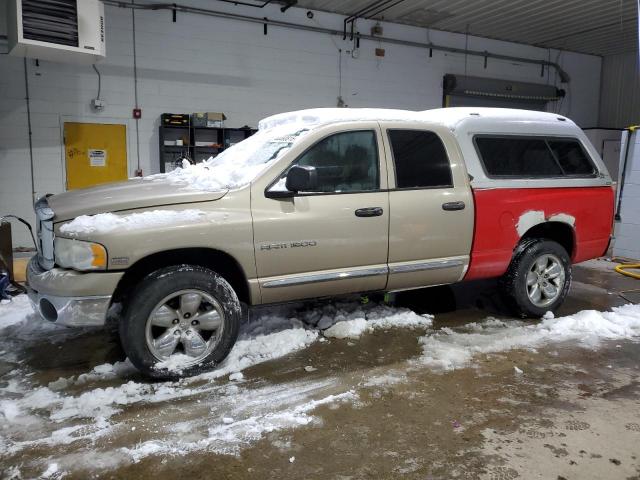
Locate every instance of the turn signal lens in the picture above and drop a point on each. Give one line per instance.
(99, 256)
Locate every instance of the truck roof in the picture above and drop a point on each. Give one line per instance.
(467, 118)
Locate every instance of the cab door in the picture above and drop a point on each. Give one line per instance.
(332, 240)
(431, 207)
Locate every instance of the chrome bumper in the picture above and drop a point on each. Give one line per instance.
(70, 298)
(70, 311)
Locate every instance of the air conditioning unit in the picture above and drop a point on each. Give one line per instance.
(59, 30)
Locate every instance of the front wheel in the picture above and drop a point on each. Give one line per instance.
(179, 321)
(538, 278)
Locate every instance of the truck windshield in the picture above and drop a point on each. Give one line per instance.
(239, 164)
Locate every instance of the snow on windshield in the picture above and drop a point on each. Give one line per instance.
(239, 164)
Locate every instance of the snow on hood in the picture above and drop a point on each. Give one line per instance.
(128, 195)
(108, 222)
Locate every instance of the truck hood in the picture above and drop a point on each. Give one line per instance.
(128, 195)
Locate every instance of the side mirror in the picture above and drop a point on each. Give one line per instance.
(302, 179)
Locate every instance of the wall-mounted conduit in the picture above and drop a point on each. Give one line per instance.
(564, 76)
(135, 86)
(30, 132)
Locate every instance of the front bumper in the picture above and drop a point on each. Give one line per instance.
(70, 311)
(70, 298)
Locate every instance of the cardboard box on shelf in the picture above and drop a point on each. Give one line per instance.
(216, 119)
(208, 119)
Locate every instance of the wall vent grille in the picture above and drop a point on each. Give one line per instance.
(52, 21)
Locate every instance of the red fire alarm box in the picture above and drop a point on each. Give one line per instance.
(137, 113)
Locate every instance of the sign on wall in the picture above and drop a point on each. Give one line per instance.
(97, 158)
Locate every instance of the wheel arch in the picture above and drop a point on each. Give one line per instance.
(559, 232)
(220, 262)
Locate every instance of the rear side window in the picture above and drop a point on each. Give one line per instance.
(571, 157)
(420, 159)
(531, 157)
(517, 157)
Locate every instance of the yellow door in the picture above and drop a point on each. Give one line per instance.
(95, 153)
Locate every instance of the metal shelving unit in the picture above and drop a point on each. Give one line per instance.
(199, 143)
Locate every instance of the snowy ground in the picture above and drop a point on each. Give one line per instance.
(95, 417)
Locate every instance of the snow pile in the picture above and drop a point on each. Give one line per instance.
(353, 324)
(348, 329)
(355, 319)
(52, 472)
(176, 363)
(238, 165)
(234, 423)
(448, 349)
(105, 371)
(15, 311)
(275, 332)
(250, 351)
(108, 222)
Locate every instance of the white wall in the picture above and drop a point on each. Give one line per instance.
(607, 144)
(203, 63)
(620, 97)
(627, 230)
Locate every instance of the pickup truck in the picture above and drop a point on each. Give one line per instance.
(320, 203)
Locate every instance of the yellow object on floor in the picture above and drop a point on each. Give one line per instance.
(623, 267)
(20, 269)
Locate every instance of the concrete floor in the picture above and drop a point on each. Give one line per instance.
(573, 413)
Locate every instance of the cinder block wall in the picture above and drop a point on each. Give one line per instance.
(203, 63)
(627, 230)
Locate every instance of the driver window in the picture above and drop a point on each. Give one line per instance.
(345, 162)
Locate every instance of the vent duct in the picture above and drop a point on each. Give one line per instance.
(460, 90)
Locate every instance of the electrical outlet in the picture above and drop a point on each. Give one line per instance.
(98, 105)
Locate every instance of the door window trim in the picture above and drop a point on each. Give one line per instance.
(546, 139)
(313, 194)
(395, 172)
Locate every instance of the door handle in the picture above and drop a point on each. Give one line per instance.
(369, 212)
(451, 206)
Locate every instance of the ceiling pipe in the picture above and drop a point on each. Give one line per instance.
(289, 4)
(384, 9)
(564, 76)
(363, 11)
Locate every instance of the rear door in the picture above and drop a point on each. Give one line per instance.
(333, 240)
(430, 204)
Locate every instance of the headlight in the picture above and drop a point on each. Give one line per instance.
(80, 255)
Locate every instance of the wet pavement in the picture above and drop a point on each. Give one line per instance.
(370, 407)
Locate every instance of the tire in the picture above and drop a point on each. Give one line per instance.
(191, 308)
(528, 291)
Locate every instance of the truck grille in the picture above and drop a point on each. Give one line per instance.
(44, 216)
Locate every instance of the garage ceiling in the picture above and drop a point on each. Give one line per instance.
(599, 27)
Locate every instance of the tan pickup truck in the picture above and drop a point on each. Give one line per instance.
(319, 203)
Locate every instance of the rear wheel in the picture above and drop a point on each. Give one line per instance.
(179, 321)
(538, 278)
